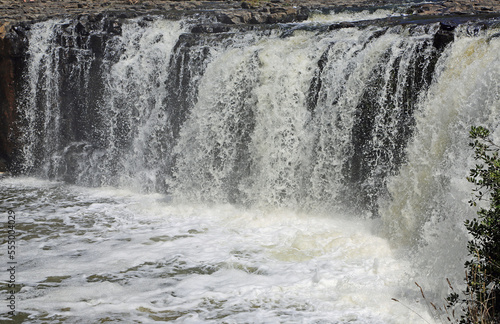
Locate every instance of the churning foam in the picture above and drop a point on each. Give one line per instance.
(87, 255)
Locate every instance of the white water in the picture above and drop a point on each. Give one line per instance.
(42, 58)
(430, 194)
(86, 255)
(351, 16)
(298, 244)
(251, 138)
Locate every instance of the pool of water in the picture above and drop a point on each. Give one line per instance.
(107, 255)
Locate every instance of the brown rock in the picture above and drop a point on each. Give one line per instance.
(258, 18)
(3, 29)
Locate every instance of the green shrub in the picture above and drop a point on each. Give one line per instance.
(483, 270)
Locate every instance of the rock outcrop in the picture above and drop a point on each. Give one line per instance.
(228, 11)
(10, 73)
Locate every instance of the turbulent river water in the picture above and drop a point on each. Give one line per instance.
(299, 174)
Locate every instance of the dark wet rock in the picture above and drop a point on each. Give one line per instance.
(341, 25)
(3, 166)
(444, 35)
(214, 28)
(11, 50)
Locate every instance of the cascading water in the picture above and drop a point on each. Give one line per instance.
(271, 144)
(322, 140)
(301, 118)
(430, 193)
(117, 125)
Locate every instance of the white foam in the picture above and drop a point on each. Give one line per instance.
(352, 16)
(104, 253)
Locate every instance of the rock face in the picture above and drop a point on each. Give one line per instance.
(232, 12)
(210, 17)
(457, 7)
(10, 73)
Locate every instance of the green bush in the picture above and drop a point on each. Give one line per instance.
(483, 269)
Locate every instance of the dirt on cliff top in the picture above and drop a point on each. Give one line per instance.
(249, 11)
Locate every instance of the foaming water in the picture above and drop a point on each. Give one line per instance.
(352, 16)
(90, 255)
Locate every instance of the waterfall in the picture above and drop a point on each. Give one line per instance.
(41, 109)
(313, 119)
(373, 120)
(101, 110)
(430, 193)
(293, 172)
